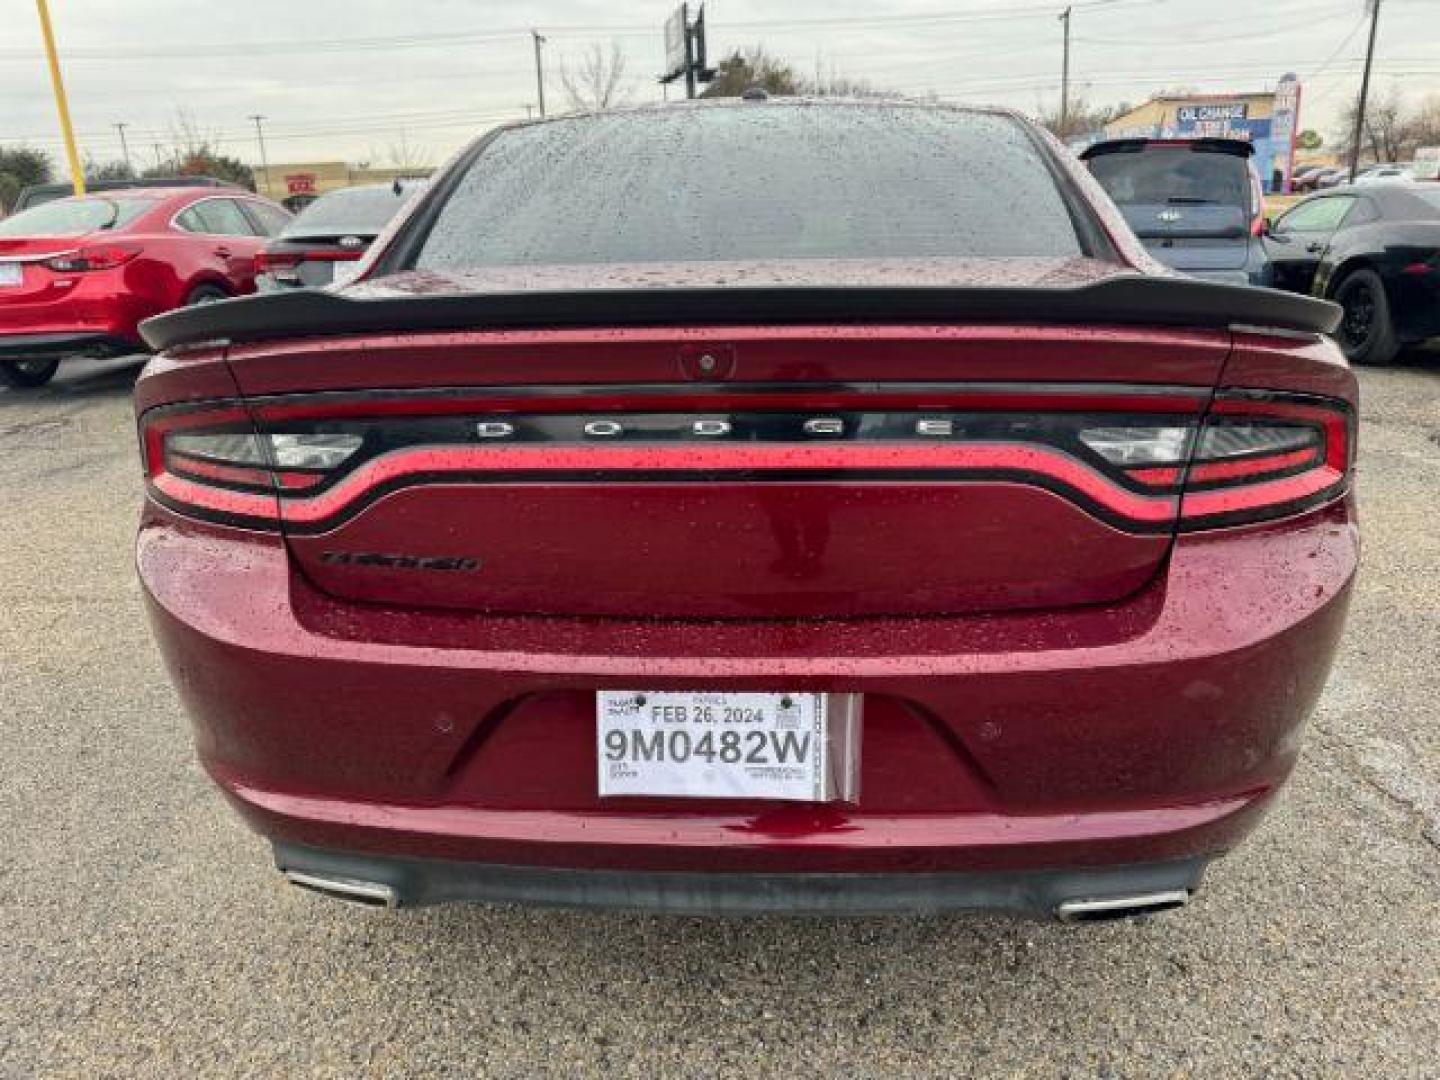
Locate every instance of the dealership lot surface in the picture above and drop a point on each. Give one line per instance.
(143, 931)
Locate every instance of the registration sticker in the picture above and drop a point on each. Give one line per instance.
(795, 746)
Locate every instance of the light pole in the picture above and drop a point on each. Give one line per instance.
(57, 84)
(120, 126)
(260, 137)
(539, 71)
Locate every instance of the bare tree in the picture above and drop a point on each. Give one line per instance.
(846, 87)
(107, 170)
(194, 151)
(188, 137)
(595, 83)
(1388, 130)
(1081, 118)
(406, 155)
(1425, 125)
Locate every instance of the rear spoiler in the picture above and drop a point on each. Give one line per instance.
(1235, 147)
(1130, 299)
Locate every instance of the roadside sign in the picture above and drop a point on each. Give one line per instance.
(1284, 128)
(677, 30)
(1224, 113)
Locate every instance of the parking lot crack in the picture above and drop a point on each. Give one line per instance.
(1390, 770)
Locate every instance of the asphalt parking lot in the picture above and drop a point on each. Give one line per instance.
(144, 932)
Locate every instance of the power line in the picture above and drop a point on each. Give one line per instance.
(432, 119)
(208, 50)
(1330, 60)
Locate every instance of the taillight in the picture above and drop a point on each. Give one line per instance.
(1261, 456)
(1257, 197)
(213, 463)
(94, 257)
(1144, 466)
(272, 261)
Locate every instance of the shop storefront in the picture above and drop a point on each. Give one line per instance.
(1269, 120)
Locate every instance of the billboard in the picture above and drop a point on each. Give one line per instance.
(677, 51)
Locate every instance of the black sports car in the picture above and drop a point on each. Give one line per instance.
(1373, 250)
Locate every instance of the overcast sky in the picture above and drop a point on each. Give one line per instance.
(354, 79)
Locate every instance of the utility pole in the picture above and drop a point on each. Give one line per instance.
(1065, 76)
(690, 51)
(124, 149)
(260, 137)
(539, 71)
(57, 84)
(1374, 6)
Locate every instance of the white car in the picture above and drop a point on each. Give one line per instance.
(1386, 174)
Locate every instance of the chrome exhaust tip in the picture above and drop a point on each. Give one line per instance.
(1122, 907)
(369, 893)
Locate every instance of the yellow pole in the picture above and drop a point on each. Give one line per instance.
(77, 174)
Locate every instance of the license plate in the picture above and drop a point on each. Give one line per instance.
(344, 273)
(11, 273)
(796, 746)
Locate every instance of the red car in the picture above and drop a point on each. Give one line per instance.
(753, 506)
(78, 275)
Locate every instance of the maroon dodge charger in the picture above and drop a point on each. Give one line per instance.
(753, 506)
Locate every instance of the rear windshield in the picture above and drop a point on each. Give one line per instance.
(73, 217)
(752, 183)
(363, 210)
(1173, 176)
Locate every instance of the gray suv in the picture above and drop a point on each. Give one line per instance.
(1195, 203)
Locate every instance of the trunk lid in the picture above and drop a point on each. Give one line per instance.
(24, 277)
(731, 471)
(1193, 238)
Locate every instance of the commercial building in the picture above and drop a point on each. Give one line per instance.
(1269, 119)
(299, 184)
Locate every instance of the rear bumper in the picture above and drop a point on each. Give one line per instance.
(1153, 730)
(31, 346)
(97, 310)
(1078, 894)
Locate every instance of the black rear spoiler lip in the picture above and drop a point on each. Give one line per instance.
(1130, 299)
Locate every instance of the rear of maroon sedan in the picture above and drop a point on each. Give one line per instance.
(769, 506)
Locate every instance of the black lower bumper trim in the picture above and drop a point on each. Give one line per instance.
(1034, 893)
(36, 346)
